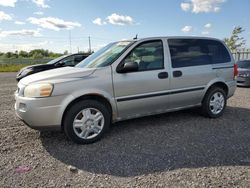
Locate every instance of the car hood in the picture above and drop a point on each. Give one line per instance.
(41, 66)
(57, 74)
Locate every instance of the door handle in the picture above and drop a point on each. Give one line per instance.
(177, 73)
(163, 75)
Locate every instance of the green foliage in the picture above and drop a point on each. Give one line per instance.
(34, 54)
(23, 54)
(10, 55)
(235, 41)
(11, 67)
(14, 61)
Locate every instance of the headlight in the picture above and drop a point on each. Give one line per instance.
(38, 90)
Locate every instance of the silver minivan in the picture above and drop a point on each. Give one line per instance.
(129, 79)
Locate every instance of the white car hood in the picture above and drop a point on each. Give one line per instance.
(63, 73)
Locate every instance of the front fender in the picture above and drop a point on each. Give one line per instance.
(97, 92)
(90, 92)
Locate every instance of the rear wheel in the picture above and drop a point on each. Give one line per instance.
(214, 102)
(86, 121)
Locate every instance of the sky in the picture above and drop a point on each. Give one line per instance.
(60, 25)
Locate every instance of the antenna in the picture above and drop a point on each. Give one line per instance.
(136, 37)
(89, 45)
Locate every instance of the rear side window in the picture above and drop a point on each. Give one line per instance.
(195, 52)
(218, 52)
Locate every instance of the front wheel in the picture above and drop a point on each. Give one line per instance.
(86, 121)
(214, 102)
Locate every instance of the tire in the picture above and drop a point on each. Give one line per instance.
(214, 102)
(86, 121)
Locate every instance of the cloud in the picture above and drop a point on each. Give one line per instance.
(200, 6)
(187, 29)
(23, 32)
(185, 6)
(25, 47)
(19, 23)
(205, 32)
(41, 3)
(207, 29)
(98, 21)
(208, 25)
(8, 3)
(116, 19)
(4, 16)
(38, 13)
(53, 23)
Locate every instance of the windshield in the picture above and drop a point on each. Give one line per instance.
(244, 64)
(57, 59)
(105, 56)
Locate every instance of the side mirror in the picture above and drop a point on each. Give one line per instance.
(128, 67)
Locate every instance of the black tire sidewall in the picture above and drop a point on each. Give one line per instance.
(74, 110)
(206, 102)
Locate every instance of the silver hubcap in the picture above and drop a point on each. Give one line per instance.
(217, 103)
(88, 123)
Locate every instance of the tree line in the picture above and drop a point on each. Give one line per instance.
(34, 54)
(234, 42)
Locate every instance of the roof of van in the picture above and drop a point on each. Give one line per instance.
(175, 37)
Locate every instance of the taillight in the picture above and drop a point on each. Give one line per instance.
(235, 71)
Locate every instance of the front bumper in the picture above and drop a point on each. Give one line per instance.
(40, 113)
(243, 81)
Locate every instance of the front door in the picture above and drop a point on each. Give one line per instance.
(141, 92)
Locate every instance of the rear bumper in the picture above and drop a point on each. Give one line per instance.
(231, 88)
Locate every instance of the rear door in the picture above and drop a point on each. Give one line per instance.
(191, 71)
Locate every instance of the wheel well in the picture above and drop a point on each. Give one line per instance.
(220, 85)
(95, 97)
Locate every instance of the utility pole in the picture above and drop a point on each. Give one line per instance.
(70, 47)
(89, 45)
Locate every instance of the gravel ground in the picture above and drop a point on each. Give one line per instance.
(180, 149)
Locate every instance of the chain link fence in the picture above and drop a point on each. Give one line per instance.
(24, 60)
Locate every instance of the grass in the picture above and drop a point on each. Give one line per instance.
(15, 64)
(11, 67)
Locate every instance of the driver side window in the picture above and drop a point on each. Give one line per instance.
(148, 56)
